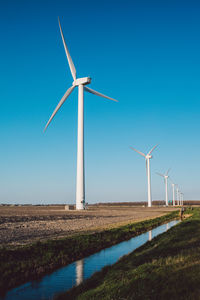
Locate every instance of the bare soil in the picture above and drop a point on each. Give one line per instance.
(21, 225)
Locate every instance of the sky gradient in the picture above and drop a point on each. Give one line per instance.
(146, 55)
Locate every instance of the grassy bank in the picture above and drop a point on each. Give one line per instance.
(168, 267)
(30, 262)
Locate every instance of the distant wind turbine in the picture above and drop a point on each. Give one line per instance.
(147, 159)
(81, 84)
(177, 194)
(166, 176)
(181, 198)
(173, 191)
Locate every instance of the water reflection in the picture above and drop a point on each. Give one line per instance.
(65, 278)
(79, 271)
(150, 235)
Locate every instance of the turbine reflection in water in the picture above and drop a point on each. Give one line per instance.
(150, 235)
(79, 271)
(65, 278)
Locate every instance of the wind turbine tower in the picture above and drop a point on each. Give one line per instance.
(177, 194)
(165, 176)
(81, 84)
(147, 157)
(181, 198)
(173, 193)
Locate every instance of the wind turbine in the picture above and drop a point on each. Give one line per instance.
(147, 159)
(181, 196)
(173, 191)
(81, 84)
(166, 185)
(177, 194)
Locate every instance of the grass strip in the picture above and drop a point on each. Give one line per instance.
(168, 267)
(33, 261)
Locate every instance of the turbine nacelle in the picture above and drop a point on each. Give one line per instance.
(149, 156)
(82, 81)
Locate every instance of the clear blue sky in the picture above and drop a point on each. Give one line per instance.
(146, 54)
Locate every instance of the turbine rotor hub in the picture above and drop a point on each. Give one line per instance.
(81, 81)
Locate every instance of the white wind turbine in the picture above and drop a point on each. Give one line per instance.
(173, 191)
(147, 157)
(177, 194)
(181, 198)
(165, 176)
(81, 84)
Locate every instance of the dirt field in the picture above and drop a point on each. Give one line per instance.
(25, 224)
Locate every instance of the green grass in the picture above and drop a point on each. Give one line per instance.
(31, 262)
(168, 267)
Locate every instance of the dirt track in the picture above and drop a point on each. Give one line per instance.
(25, 224)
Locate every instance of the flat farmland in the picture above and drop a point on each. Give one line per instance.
(21, 225)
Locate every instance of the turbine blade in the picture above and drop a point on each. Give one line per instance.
(71, 65)
(64, 98)
(160, 174)
(138, 152)
(168, 171)
(87, 89)
(152, 149)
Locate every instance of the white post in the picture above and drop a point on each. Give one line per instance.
(149, 182)
(80, 179)
(173, 194)
(166, 192)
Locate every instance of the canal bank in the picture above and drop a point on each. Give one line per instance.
(74, 274)
(32, 262)
(168, 267)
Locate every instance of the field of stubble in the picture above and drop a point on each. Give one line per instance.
(24, 224)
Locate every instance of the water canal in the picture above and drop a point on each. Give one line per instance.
(66, 277)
